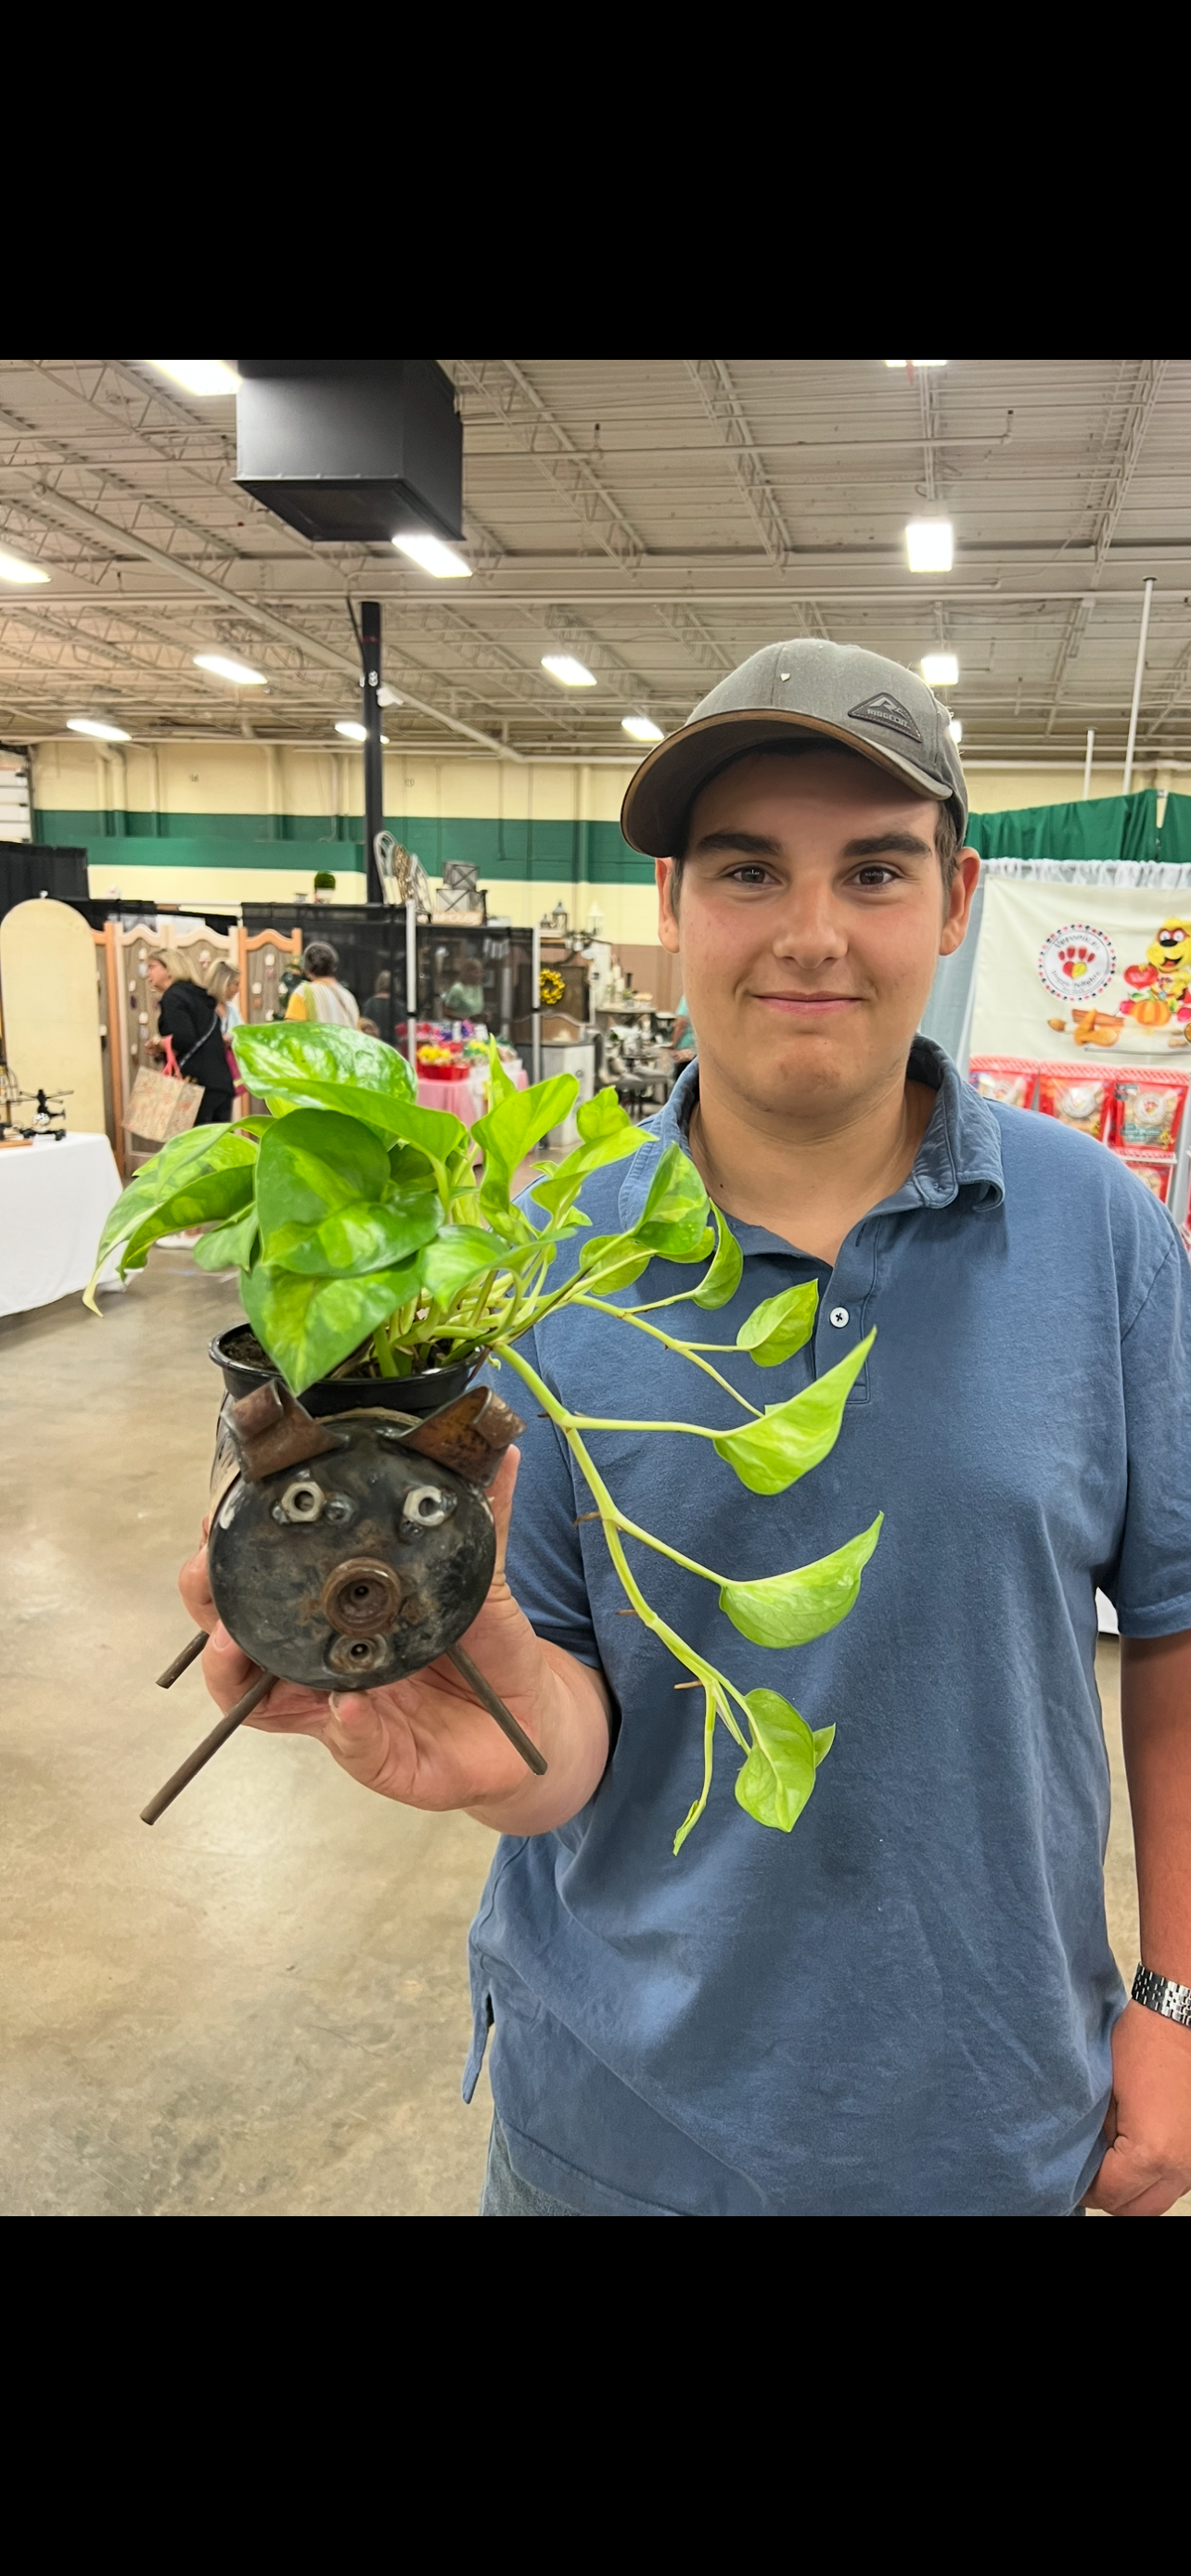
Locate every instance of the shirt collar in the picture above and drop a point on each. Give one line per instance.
(959, 1157)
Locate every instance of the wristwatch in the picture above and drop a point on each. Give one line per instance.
(1163, 1995)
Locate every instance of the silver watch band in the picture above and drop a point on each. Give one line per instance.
(1163, 1995)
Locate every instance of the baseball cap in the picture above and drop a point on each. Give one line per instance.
(793, 691)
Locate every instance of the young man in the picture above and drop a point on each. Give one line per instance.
(908, 2006)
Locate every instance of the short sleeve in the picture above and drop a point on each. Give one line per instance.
(295, 1008)
(1152, 1586)
(544, 1561)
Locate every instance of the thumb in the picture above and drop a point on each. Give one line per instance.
(356, 1734)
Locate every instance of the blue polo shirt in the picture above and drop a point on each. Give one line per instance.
(903, 2007)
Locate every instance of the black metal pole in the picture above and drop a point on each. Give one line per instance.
(374, 788)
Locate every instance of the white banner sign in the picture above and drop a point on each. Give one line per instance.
(1068, 970)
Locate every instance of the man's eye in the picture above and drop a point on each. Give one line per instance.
(876, 876)
(749, 876)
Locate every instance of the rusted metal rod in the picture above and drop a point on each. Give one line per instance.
(182, 1663)
(197, 1761)
(483, 1691)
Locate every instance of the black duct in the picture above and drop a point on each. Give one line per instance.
(351, 449)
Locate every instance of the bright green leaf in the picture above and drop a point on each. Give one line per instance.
(723, 1279)
(793, 1437)
(790, 1609)
(311, 1164)
(229, 1247)
(673, 1221)
(779, 1326)
(606, 1133)
(308, 1326)
(436, 1132)
(361, 1237)
(511, 1130)
(824, 1738)
(460, 1253)
(611, 1261)
(779, 1775)
(171, 1191)
(301, 1066)
(501, 1085)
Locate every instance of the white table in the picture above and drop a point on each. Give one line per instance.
(54, 1197)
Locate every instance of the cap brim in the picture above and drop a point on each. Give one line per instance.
(662, 791)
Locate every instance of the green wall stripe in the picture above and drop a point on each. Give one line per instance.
(574, 853)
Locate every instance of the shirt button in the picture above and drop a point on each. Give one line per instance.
(839, 1314)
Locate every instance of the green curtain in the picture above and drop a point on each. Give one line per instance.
(1107, 827)
(1176, 831)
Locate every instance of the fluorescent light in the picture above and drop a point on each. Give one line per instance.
(941, 669)
(915, 362)
(564, 667)
(930, 544)
(14, 568)
(431, 554)
(642, 728)
(225, 669)
(93, 725)
(356, 732)
(955, 729)
(200, 375)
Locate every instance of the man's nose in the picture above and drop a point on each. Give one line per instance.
(810, 928)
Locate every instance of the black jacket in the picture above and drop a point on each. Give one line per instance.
(187, 1014)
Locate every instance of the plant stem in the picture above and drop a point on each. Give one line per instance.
(382, 1354)
(610, 1518)
(688, 1350)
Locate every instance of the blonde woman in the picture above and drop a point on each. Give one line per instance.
(188, 1024)
(223, 984)
(322, 998)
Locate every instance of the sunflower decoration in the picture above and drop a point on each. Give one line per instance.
(551, 987)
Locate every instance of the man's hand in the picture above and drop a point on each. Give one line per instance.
(1148, 2124)
(426, 1741)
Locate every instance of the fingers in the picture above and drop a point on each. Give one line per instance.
(500, 1496)
(1130, 2184)
(196, 1591)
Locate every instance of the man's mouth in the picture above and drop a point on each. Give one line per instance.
(815, 1006)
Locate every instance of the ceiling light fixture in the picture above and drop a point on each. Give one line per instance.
(353, 732)
(916, 362)
(199, 375)
(940, 669)
(225, 669)
(564, 667)
(430, 554)
(94, 725)
(14, 568)
(930, 545)
(642, 728)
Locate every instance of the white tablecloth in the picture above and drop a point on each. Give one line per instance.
(54, 1198)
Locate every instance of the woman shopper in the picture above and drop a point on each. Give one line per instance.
(188, 1020)
(322, 997)
(225, 993)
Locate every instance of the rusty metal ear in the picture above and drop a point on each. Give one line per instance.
(272, 1430)
(470, 1436)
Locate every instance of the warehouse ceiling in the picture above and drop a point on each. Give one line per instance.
(657, 519)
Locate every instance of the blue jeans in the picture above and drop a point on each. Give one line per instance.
(506, 2196)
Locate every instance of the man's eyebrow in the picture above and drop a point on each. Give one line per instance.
(752, 845)
(888, 845)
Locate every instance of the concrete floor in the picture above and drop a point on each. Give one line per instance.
(259, 2008)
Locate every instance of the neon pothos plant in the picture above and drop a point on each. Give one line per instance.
(366, 1247)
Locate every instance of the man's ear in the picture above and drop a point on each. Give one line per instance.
(667, 884)
(959, 902)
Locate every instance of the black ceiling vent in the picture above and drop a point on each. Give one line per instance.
(351, 449)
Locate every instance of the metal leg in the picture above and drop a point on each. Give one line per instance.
(483, 1691)
(182, 1663)
(197, 1761)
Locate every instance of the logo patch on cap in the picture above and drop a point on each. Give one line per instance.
(884, 710)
